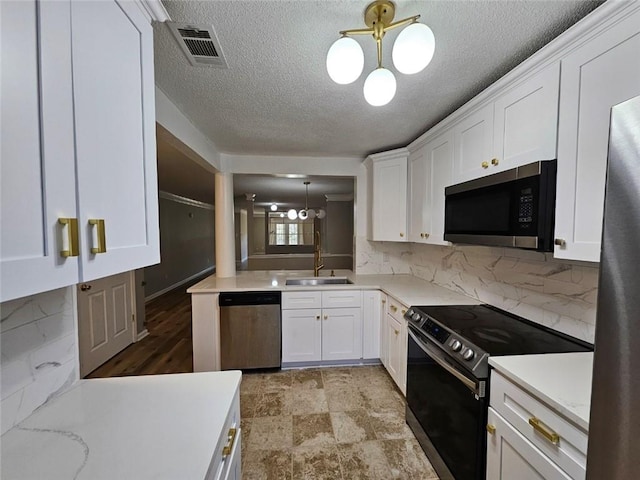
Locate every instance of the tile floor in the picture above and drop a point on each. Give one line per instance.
(327, 423)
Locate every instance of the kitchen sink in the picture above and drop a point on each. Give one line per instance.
(318, 281)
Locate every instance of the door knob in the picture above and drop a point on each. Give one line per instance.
(85, 287)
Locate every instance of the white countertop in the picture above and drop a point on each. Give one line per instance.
(561, 380)
(156, 426)
(407, 289)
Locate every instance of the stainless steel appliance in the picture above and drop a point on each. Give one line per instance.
(614, 424)
(514, 208)
(250, 330)
(448, 377)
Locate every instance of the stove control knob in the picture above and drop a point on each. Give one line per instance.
(416, 316)
(456, 345)
(468, 354)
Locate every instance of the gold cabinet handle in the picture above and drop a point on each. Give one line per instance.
(326, 317)
(403, 311)
(394, 308)
(384, 301)
(491, 429)
(102, 242)
(396, 332)
(231, 439)
(494, 161)
(422, 235)
(426, 235)
(485, 164)
(85, 287)
(401, 234)
(560, 242)
(71, 225)
(543, 430)
(317, 317)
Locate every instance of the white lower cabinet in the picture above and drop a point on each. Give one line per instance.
(330, 331)
(511, 456)
(526, 439)
(395, 336)
(384, 334)
(226, 463)
(371, 308)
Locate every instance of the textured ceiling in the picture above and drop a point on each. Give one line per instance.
(276, 97)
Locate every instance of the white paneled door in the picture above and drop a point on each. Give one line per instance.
(106, 324)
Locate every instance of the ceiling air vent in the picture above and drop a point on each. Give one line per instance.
(199, 43)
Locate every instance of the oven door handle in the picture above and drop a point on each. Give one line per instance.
(470, 384)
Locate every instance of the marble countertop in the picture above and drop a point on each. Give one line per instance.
(407, 289)
(156, 426)
(561, 380)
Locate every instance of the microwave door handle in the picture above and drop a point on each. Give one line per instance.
(470, 384)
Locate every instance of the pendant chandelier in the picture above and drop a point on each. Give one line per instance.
(306, 213)
(412, 52)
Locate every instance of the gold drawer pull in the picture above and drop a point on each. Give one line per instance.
(384, 301)
(394, 308)
(491, 429)
(485, 164)
(396, 332)
(231, 439)
(102, 242)
(326, 317)
(560, 242)
(72, 237)
(403, 311)
(401, 234)
(494, 161)
(543, 430)
(317, 317)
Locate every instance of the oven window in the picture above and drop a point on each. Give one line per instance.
(449, 413)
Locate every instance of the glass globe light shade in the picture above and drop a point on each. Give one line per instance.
(345, 61)
(379, 87)
(413, 49)
(321, 214)
(302, 214)
(292, 214)
(311, 214)
(281, 214)
(274, 207)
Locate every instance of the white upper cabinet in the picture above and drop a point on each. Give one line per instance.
(473, 144)
(430, 171)
(526, 121)
(78, 144)
(37, 157)
(388, 220)
(599, 74)
(518, 127)
(115, 136)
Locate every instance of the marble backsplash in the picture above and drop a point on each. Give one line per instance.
(559, 294)
(38, 352)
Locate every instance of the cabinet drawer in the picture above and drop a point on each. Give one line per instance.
(519, 408)
(221, 463)
(311, 299)
(396, 309)
(342, 299)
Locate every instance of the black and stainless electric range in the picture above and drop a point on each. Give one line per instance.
(448, 377)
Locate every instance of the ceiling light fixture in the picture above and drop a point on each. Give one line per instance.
(412, 52)
(306, 213)
(274, 207)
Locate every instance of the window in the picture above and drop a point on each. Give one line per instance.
(283, 231)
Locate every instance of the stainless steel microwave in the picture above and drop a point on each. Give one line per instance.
(514, 208)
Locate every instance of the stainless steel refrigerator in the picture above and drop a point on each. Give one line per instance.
(614, 427)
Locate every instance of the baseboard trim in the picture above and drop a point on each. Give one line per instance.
(177, 284)
(142, 334)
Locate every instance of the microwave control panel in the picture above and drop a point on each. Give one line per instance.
(525, 213)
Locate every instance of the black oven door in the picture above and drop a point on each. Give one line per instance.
(450, 407)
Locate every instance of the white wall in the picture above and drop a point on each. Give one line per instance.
(39, 352)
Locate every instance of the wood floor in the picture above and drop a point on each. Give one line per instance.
(167, 349)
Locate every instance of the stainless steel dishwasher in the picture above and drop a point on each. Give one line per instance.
(250, 330)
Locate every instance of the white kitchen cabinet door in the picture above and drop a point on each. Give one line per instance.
(301, 335)
(113, 94)
(341, 334)
(601, 73)
(526, 121)
(419, 194)
(384, 331)
(371, 307)
(473, 145)
(37, 154)
(396, 352)
(439, 154)
(511, 456)
(389, 204)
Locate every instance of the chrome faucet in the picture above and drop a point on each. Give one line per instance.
(317, 255)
